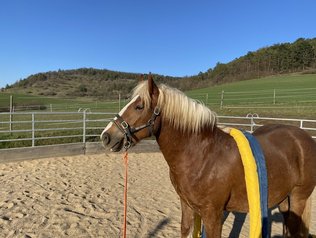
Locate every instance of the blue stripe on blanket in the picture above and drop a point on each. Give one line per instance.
(263, 181)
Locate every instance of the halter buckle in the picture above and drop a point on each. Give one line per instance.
(157, 111)
(127, 145)
(124, 125)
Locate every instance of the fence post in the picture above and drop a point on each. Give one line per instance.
(33, 129)
(84, 127)
(11, 106)
(301, 124)
(206, 99)
(252, 121)
(119, 102)
(222, 99)
(252, 124)
(274, 95)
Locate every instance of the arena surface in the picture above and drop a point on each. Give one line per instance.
(82, 196)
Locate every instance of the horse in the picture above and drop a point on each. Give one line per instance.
(205, 167)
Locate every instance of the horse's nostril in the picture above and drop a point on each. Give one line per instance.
(106, 138)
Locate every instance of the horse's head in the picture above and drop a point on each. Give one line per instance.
(136, 121)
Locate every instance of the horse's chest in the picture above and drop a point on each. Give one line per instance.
(192, 192)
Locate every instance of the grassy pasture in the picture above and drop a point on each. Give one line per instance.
(25, 103)
(278, 96)
(289, 94)
(284, 95)
(295, 97)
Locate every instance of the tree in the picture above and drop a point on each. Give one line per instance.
(83, 88)
(302, 54)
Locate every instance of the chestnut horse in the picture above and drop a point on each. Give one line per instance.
(205, 165)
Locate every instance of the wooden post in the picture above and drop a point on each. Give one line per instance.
(84, 126)
(119, 98)
(11, 111)
(33, 129)
(274, 95)
(222, 99)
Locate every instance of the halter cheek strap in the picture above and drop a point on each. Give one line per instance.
(129, 132)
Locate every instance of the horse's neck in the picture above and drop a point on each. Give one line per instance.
(179, 148)
(171, 141)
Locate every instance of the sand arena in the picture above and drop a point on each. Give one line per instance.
(82, 196)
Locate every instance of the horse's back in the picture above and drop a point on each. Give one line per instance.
(294, 149)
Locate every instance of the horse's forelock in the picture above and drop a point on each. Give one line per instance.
(142, 90)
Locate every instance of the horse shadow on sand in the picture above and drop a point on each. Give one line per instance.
(240, 218)
(237, 225)
(159, 227)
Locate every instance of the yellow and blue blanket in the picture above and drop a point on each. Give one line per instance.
(256, 182)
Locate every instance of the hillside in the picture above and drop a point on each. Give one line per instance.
(292, 95)
(284, 58)
(84, 82)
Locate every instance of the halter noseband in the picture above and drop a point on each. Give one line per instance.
(129, 132)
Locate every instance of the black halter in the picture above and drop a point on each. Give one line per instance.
(129, 132)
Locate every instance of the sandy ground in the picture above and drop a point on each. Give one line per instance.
(81, 196)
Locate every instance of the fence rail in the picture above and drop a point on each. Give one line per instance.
(23, 129)
(43, 128)
(253, 121)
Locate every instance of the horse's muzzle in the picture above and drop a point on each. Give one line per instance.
(113, 143)
(106, 138)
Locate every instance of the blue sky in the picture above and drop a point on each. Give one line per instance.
(171, 37)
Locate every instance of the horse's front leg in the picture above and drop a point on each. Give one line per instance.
(187, 220)
(212, 219)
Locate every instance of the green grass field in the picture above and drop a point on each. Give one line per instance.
(291, 96)
(278, 96)
(28, 103)
(284, 95)
(282, 82)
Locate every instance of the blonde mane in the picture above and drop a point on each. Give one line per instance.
(181, 111)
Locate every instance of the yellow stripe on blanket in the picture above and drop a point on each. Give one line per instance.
(252, 182)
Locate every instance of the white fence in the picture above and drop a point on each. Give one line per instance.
(253, 121)
(273, 98)
(44, 128)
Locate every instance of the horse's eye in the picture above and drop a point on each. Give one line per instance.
(139, 107)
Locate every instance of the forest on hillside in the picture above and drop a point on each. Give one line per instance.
(299, 56)
(282, 58)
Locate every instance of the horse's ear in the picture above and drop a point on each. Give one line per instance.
(141, 79)
(152, 87)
